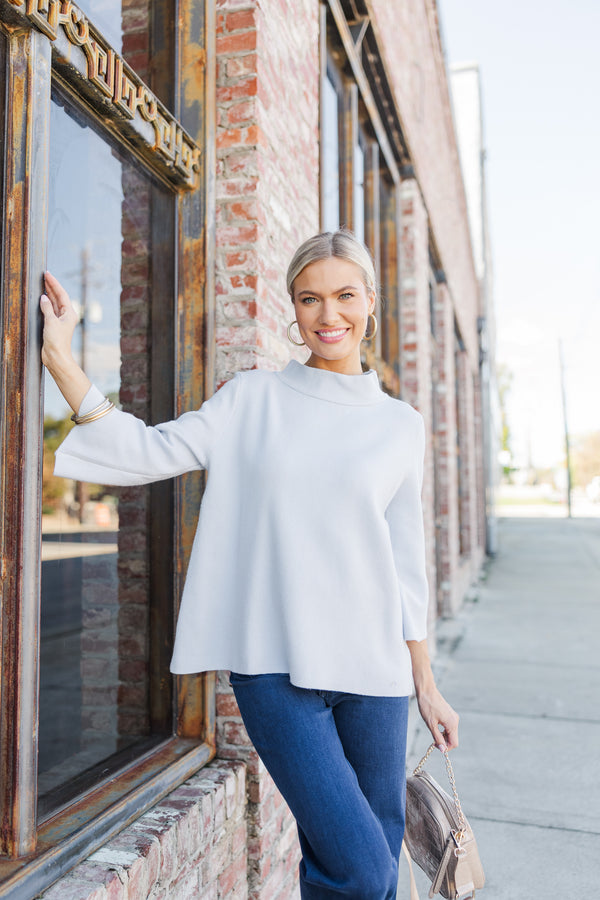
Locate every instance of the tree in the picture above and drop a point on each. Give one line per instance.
(585, 458)
(504, 378)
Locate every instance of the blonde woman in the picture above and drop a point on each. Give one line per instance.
(307, 576)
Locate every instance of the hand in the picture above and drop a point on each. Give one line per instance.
(60, 321)
(435, 711)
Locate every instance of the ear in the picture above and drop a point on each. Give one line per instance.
(371, 298)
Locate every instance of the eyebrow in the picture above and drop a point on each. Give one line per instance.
(337, 291)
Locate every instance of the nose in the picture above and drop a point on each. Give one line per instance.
(329, 313)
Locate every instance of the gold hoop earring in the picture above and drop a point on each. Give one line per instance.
(290, 338)
(375, 326)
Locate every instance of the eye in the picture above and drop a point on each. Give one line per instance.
(347, 295)
(308, 300)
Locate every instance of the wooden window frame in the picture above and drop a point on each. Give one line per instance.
(33, 54)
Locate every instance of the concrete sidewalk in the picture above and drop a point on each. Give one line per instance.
(522, 667)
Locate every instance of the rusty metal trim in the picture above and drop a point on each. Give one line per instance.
(349, 139)
(24, 229)
(90, 66)
(365, 89)
(373, 222)
(195, 313)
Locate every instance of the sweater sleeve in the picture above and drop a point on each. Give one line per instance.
(120, 449)
(405, 520)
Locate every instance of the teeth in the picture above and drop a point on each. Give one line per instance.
(332, 333)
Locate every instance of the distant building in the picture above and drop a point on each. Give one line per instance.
(465, 82)
(164, 161)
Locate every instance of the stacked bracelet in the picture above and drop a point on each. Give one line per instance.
(101, 410)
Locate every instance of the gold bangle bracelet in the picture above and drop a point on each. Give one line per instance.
(96, 409)
(95, 414)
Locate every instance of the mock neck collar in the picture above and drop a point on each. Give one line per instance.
(351, 390)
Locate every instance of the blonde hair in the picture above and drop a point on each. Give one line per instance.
(341, 244)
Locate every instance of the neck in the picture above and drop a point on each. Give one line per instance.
(350, 365)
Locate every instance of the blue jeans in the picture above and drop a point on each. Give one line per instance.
(338, 759)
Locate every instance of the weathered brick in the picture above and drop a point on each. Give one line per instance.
(236, 43)
(241, 19)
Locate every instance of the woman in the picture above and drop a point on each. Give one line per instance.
(307, 577)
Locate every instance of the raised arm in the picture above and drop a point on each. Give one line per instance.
(117, 447)
(60, 320)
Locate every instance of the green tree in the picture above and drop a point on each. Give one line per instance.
(504, 378)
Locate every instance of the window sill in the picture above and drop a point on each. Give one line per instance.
(71, 835)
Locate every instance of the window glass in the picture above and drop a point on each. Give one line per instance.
(126, 26)
(331, 157)
(94, 670)
(107, 16)
(359, 191)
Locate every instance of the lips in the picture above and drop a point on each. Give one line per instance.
(332, 335)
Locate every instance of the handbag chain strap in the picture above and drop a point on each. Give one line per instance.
(462, 824)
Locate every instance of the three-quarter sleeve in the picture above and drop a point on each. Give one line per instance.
(405, 519)
(120, 449)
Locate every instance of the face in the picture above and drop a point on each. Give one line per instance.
(332, 305)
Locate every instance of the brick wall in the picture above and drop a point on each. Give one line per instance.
(191, 846)
(415, 349)
(267, 128)
(273, 851)
(445, 400)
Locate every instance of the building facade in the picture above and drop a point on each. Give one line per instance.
(164, 160)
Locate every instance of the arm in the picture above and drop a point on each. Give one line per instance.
(435, 711)
(119, 448)
(60, 320)
(405, 517)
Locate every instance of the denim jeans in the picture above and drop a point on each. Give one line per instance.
(338, 759)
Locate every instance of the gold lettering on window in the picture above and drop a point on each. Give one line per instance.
(44, 15)
(101, 67)
(114, 79)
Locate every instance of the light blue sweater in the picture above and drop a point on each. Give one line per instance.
(309, 553)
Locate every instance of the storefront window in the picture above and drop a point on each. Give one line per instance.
(94, 668)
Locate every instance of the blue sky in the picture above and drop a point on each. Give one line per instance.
(540, 71)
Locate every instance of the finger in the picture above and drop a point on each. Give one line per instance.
(47, 307)
(451, 733)
(437, 735)
(56, 292)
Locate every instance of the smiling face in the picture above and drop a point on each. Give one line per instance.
(332, 305)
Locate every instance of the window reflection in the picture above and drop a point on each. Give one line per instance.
(359, 191)
(94, 692)
(331, 153)
(107, 17)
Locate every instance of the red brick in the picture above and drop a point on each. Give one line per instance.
(231, 875)
(243, 209)
(236, 43)
(240, 66)
(240, 90)
(243, 111)
(243, 18)
(226, 705)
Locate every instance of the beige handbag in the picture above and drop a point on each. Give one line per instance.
(439, 838)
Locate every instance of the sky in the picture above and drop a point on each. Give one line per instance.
(540, 73)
